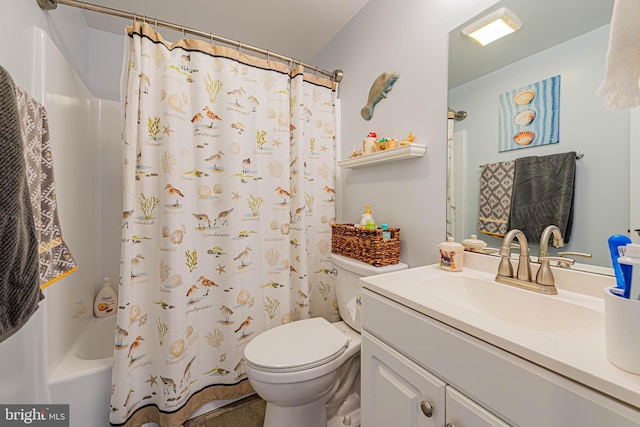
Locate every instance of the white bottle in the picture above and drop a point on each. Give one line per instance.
(106, 300)
(632, 258)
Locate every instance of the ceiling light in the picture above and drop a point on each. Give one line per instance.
(493, 26)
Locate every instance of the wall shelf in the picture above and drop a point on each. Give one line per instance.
(399, 153)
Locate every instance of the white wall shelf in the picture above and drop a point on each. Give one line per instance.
(399, 153)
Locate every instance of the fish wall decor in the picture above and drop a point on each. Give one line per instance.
(379, 89)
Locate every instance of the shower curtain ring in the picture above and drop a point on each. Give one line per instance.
(239, 47)
(184, 35)
(268, 53)
(155, 27)
(135, 18)
(211, 37)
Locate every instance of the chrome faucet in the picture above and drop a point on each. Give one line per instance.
(544, 282)
(545, 276)
(505, 270)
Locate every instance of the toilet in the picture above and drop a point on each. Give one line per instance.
(308, 371)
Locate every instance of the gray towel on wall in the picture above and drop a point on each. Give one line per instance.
(19, 282)
(543, 194)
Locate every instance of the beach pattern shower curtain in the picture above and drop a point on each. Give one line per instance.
(451, 202)
(228, 199)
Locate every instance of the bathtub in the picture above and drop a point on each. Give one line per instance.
(83, 377)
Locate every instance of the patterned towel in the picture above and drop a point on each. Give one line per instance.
(55, 258)
(19, 285)
(496, 189)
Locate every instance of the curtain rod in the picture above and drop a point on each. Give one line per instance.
(335, 75)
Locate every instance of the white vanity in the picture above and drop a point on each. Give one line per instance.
(457, 349)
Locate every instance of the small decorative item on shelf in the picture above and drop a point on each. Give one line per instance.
(386, 143)
(371, 145)
(408, 140)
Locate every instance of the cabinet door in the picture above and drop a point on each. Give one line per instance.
(396, 391)
(464, 412)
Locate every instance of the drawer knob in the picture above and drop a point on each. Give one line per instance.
(426, 407)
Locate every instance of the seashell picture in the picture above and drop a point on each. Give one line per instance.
(524, 97)
(523, 118)
(529, 116)
(524, 138)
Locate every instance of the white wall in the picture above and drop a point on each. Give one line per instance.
(105, 62)
(23, 357)
(75, 156)
(66, 26)
(602, 185)
(411, 38)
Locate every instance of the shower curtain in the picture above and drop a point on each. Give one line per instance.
(228, 199)
(451, 202)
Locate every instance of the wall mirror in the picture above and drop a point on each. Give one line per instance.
(568, 38)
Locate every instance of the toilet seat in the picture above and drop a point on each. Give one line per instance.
(296, 346)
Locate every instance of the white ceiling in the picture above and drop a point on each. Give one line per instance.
(295, 28)
(545, 23)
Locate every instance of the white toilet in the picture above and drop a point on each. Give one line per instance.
(308, 371)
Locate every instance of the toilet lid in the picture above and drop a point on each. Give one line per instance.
(296, 346)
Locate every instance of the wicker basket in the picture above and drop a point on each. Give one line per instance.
(366, 245)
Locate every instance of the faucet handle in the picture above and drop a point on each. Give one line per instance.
(559, 260)
(564, 262)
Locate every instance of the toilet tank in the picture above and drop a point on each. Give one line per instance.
(348, 287)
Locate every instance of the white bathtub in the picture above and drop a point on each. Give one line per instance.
(83, 377)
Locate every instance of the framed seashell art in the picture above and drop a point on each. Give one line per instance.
(530, 116)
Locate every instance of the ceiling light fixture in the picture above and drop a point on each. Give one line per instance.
(493, 26)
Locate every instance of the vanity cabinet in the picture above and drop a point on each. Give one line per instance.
(409, 358)
(398, 392)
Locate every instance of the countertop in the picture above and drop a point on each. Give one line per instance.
(579, 355)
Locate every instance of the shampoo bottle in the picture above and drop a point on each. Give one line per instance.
(106, 300)
(367, 219)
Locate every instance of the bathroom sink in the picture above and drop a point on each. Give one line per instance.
(551, 314)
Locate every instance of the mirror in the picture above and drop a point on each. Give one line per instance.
(570, 39)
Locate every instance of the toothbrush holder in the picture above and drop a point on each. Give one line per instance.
(622, 343)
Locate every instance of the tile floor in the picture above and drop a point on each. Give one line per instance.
(247, 412)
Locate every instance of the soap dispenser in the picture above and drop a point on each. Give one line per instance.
(106, 300)
(367, 219)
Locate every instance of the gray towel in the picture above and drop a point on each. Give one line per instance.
(543, 194)
(55, 257)
(19, 283)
